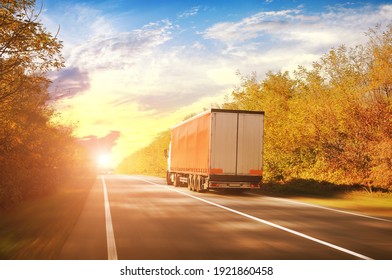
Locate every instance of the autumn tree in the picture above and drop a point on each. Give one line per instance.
(149, 160)
(330, 122)
(26, 48)
(36, 154)
(271, 95)
(353, 111)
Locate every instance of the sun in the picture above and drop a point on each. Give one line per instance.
(104, 160)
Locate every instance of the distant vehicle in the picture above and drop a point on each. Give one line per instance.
(217, 149)
(105, 171)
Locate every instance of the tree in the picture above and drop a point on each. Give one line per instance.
(331, 122)
(36, 154)
(26, 48)
(149, 160)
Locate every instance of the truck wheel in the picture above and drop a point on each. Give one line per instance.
(195, 186)
(168, 179)
(190, 182)
(198, 184)
(205, 183)
(177, 180)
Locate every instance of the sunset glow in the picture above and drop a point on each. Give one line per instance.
(104, 161)
(134, 69)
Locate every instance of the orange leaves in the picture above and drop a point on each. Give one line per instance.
(35, 155)
(26, 48)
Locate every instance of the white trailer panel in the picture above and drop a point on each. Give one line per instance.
(223, 150)
(250, 144)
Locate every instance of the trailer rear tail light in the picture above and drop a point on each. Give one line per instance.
(214, 185)
(254, 185)
(216, 170)
(256, 172)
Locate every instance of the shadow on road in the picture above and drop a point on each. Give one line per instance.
(312, 188)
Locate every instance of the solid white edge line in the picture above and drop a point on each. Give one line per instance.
(360, 256)
(328, 208)
(111, 243)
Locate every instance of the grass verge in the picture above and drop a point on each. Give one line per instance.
(350, 198)
(37, 229)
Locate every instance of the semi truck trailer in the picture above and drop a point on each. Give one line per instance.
(217, 149)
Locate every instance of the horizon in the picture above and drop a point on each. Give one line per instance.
(136, 68)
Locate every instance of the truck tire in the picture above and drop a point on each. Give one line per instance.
(199, 187)
(177, 182)
(168, 179)
(190, 182)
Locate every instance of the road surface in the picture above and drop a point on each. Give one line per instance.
(140, 218)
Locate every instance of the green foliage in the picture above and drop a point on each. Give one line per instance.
(149, 160)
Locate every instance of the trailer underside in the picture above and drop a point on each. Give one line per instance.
(205, 182)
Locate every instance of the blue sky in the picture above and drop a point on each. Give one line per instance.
(135, 68)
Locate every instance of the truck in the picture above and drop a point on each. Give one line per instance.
(217, 149)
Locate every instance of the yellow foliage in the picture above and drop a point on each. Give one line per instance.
(36, 156)
(332, 122)
(149, 160)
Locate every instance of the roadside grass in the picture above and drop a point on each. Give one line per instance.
(377, 202)
(38, 228)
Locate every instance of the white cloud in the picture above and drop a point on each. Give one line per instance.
(116, 50)
(336, 26)
(189, 13)
(251, 27)
(134, 78)
(282, 40)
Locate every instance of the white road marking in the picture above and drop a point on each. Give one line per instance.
(360, 256)
(331, 209)
(111, 243)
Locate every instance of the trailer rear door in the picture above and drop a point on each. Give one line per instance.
(250, 144)
(236, 143)
(223, 153)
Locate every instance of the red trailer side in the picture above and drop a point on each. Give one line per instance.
(190, 146)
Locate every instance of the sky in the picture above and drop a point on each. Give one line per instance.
(135, 68)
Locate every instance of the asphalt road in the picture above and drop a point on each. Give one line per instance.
(140, 218)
